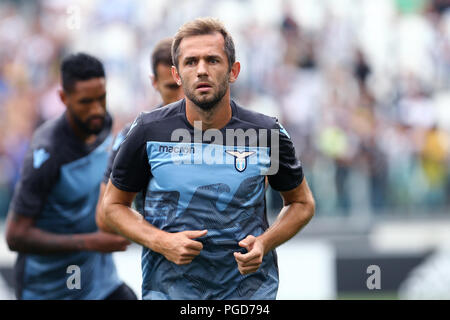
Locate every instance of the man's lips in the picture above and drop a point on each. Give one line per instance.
(203, 86)
(96, 121)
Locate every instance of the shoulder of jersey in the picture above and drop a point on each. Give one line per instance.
(125, 129)
(46, 139)
(256, 118)
(161, 114)
(48, 134)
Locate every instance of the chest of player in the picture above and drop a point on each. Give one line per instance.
(81, 178)
(176, 160)
(187, 168)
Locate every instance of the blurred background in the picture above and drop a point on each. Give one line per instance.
(362, 86)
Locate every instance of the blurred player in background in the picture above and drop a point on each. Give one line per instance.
(204, 227)
(51, 223)
(170, 91)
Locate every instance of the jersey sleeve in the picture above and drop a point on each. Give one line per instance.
(38, 174)
(131, 170)
(290, 172)
(113, 153)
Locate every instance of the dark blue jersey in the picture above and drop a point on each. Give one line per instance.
(200, 185)
(59, 187)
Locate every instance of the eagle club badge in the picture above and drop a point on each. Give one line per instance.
(240, 159)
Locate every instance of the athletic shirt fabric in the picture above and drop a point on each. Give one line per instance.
(223, 193)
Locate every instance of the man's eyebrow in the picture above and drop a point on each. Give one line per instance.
(209, 56)
(86, 100)
(82, 100)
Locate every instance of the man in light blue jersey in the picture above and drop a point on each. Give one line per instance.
(204, 227)
(51, 223)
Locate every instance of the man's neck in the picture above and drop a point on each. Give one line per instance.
(216, 118)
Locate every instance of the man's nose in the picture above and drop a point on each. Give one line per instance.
(202, 68)
(97, 108)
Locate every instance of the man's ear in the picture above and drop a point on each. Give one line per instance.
(175, 75)
(63, 96)
(234, 73)
(153, 81)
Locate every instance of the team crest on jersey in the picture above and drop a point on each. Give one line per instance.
(240, 159)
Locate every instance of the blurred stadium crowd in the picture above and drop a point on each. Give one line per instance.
(362, 86)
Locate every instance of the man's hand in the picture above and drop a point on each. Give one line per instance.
(250, 261)
(179, 247)
(105, 242)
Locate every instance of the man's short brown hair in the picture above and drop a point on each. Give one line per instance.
(162, 55)
(203, 26)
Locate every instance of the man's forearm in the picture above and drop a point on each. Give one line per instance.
(100, 213)
(130, 224)
(290, 221)
(37, 241)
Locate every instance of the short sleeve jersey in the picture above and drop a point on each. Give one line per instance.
(59, 187)
(212, 180)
